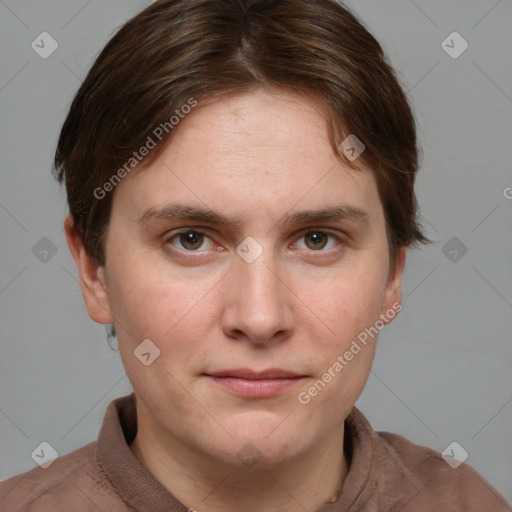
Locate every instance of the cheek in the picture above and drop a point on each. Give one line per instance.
(345, 304)
(343, 353)
(170, 315)
(148, 302)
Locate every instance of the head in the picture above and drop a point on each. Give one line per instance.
(217, 209)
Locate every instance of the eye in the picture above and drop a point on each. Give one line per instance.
(191, 240)
(317, 240)
(195, 240)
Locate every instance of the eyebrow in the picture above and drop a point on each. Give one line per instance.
(199, 214)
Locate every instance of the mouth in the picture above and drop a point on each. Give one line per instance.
(249, 383)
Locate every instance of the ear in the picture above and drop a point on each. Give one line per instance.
(92, 281)
(393, 297)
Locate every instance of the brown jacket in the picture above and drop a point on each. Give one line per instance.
(387, 473)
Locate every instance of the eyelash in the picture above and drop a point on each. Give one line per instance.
(304, 233)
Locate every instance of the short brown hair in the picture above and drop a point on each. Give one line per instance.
(178, 50)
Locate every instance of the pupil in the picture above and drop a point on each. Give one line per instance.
(191, 240)
(317, 240)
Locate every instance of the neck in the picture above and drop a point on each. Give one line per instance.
(305, 482)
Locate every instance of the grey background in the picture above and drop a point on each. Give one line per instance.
(443, 368)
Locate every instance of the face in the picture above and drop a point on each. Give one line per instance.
(222, 253)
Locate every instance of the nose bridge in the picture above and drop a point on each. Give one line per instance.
(257, 304)
(256, 263)
(259, 278)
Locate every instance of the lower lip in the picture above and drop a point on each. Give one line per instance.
(260, 388)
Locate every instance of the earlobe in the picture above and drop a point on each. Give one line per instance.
(91, 276)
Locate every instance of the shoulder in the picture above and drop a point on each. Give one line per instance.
(454, 487)
(72, 482)
(389, 472)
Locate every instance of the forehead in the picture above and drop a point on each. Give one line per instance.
(260, 152)
(243, 130)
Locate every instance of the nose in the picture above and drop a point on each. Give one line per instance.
(258, 305)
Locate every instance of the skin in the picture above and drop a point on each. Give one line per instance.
(256, 157)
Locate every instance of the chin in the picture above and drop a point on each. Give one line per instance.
(259, 454)
(262, 445)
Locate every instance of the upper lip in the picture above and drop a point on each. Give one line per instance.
(247, 373)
